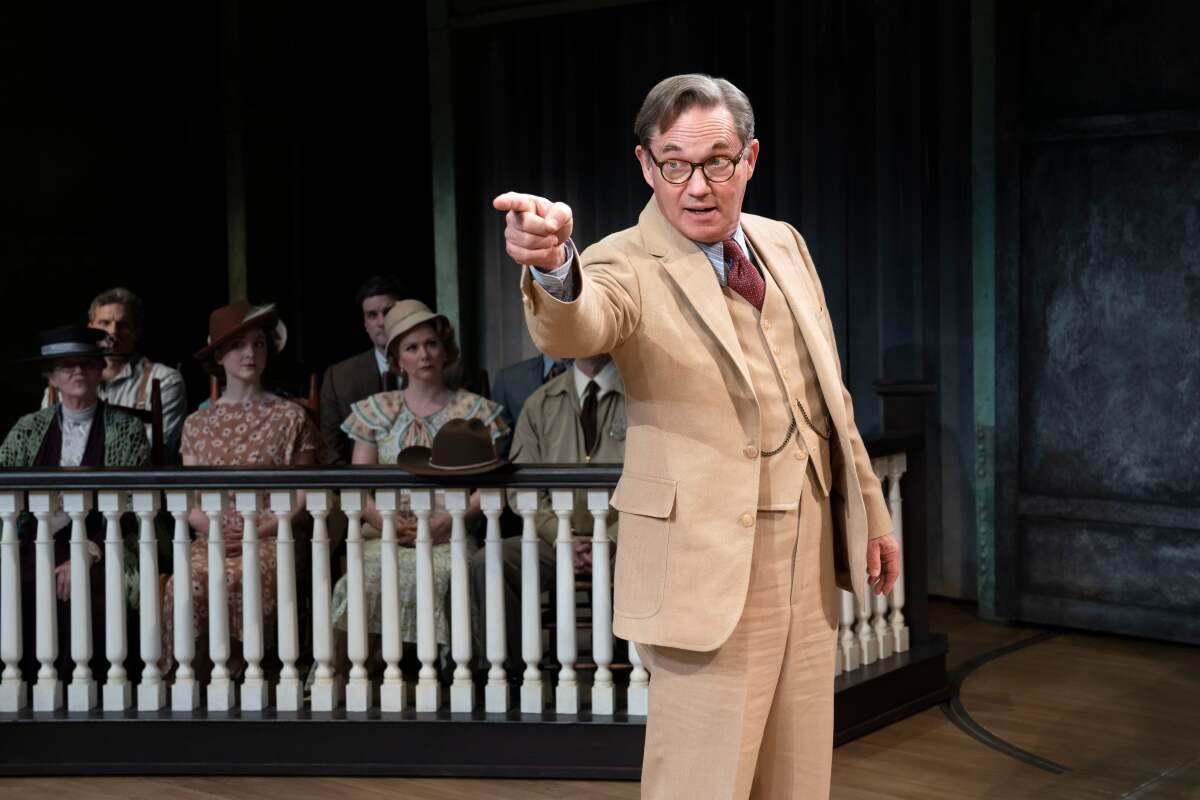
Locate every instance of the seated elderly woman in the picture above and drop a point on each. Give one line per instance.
(78, 431)
(420, 349)
(248, 425)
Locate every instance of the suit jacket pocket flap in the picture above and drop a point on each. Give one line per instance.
(645, 495)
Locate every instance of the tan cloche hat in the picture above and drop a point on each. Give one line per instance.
(228, 321)
(406, 315)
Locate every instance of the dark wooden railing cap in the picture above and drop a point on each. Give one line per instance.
(522, 476)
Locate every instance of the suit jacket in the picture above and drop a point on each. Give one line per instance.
(345, 383)
(689, 495)
(514, 384)
(549, 432)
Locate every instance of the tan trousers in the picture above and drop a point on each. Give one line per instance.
(754, 718)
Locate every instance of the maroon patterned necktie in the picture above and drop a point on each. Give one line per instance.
(742, 277)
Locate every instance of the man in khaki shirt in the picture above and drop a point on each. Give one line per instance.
(577, 417)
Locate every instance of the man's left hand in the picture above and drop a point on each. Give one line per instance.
(883, 563)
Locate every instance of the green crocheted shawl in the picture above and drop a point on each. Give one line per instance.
(125, 443)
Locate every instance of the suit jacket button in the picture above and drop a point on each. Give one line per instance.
(747, 520)
(750, 451)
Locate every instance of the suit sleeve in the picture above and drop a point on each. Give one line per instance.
(331, 422)
(605, 312)
(879, 520)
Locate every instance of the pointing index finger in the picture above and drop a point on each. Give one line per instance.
(516, 201)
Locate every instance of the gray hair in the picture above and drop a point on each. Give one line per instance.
(132, 303)
(672, 96)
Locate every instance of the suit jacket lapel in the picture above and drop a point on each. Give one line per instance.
(688, 266)
(776, 259)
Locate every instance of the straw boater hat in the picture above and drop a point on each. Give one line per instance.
(229, 321)
(68, 341)
(461, 447)
(406, 315)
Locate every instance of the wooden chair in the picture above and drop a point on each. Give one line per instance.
(152, 416)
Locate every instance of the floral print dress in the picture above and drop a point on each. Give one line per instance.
(270, 432)
(383, 420)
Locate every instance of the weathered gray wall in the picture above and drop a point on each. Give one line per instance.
(1103, 171)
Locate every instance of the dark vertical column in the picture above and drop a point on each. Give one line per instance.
(235, 186)
(983, 259)
(441, 129)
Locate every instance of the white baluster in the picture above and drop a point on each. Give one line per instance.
(638, 701)
(254, 686)
(81, 693)
(358, 688)
(117, 694)
(898, 465)
(462, 692)
(602, 641)
(847, 642)
(868, 646)
(533, 688)
(429, 691)
(289, 693)
(14, 694)
(151, 691)
(326, 691)
(496, 691)
(880, 632)
(391, 694)
(220, 686)
(567, 692)
(47, 692)
(185, 692)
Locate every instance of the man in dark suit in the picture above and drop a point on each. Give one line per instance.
(363, 375)
(516, 382)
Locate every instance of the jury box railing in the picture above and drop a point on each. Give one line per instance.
(867, 633)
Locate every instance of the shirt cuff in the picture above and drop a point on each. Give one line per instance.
(559, 282)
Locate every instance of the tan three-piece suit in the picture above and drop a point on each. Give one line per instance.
(729, 560)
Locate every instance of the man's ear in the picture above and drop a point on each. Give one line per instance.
(646, 163)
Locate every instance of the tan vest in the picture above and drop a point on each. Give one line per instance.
(782, 371)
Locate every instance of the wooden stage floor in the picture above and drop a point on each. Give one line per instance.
(1100, 717)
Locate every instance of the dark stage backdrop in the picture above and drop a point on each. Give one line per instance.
(115, 127)
(111, 172)
(1098, 422)
(863, 115)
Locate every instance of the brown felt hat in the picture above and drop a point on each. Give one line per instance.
(239, 316)
(461, 447)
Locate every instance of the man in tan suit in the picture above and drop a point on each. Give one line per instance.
(747, 496)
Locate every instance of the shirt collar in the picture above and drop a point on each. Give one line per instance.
(380, 360)
(126, 370)
(716, 252)
(79, 417)
(607, 379)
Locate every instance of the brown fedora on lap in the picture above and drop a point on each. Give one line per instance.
(461, 447)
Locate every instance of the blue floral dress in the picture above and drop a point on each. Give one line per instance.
(383, 420)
